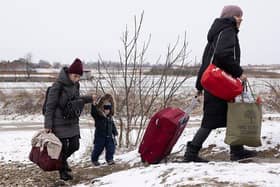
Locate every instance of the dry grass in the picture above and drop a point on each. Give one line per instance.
(2, 97)
(22, 103)
(261, 74)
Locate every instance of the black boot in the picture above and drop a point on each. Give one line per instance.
(67, 167)
(237, 152)
(191, 154)
(64, 175)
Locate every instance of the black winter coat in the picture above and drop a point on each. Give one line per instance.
(104, 125)
(58, 96)
(227, 57)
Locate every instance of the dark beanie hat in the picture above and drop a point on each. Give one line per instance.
(76, 67)
(230, 11)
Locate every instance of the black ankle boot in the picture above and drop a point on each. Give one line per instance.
(191, 154)
(67, 167)
(238, 152)
(64, 175)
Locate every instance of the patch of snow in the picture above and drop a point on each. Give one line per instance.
(18, 143)
(15, 146)
(172, 174)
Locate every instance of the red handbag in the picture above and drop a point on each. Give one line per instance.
(43, 160)
(219, 83)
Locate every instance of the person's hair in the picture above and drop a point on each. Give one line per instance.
(103, 99)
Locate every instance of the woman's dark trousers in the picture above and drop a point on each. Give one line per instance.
(69, 146)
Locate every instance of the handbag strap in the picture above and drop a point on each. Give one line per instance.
(212, 57)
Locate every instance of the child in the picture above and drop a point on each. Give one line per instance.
(105, 129)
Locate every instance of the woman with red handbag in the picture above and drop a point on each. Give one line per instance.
(222, 50)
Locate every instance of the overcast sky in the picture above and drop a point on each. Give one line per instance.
(60, 30)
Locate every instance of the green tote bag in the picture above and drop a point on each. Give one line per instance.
(244, 122)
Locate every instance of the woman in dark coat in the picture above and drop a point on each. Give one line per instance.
(66, 128)
(222, 36)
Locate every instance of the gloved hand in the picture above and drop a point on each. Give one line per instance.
(115, 140)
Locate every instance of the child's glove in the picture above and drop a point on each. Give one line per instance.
(115, 141)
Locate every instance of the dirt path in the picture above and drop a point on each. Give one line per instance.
(18, 174)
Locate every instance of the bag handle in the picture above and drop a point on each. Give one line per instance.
(251, 90)
(247, 85)
(189, 109)
(193, 104)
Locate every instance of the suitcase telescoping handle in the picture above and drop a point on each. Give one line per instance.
(189, 109)
(193, 104)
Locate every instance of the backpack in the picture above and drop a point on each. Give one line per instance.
(71, 110)
(46, 98)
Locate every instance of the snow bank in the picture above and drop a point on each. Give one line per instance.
(226, 173)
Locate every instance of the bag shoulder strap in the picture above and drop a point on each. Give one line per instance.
(215, 48)
(61, 87)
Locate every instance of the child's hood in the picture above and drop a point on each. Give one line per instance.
(102, 100)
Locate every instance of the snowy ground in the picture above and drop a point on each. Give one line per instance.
(216, 173)
(15, 146)
(212, 174)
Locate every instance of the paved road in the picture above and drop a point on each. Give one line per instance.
(19, 126)
(31, 126)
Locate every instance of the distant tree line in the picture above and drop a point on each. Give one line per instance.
(26, 64)
(178, 71)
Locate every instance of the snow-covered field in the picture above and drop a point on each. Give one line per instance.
(32, 118)
(258, 84)
(15, 146)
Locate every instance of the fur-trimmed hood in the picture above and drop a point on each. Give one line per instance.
(102, 100)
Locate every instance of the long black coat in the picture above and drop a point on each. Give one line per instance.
(57, 99)
(227, 57)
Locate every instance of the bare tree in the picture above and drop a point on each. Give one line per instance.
(57, 65)
(28, 63)
(139, 95)
(44, 64)
(273, 99)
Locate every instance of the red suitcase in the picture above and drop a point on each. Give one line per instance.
(163, 131)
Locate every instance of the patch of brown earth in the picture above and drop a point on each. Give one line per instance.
(19, 174)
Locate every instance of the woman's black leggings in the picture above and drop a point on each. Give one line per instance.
(69, 146)
(201, 136)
